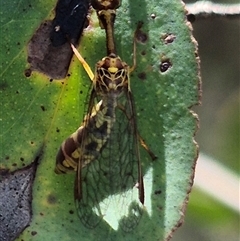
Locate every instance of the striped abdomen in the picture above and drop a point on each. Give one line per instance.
(86, 143)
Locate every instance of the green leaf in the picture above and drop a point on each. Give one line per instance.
(38, 114)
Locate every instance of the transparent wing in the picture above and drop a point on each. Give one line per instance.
(110, 183)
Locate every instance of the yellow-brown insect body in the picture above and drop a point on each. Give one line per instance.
(104, 151)
(85, 144)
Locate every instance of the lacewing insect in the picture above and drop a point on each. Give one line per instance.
(104, 150)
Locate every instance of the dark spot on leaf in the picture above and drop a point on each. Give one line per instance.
(160, 208)
(32, 142)
(51, 199)
(142, 76)
(157, 192)
(105, 173)
(140, 35)
(18, 43)
(153, 46)
(21, 159)
(191, 18)
(128, 173)
(68, 75)
(17, 92)
(42, 107)
(33, 233)
(71, 212)
(57, 130)
(143, 53)
(27, 72)
(41, 214)
(14, 164)
(3, 85)
(50, 80)
(168, 38)
(7, 158)
(153, 15)
(165, 65)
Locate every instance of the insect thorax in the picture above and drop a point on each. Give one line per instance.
(111, 76)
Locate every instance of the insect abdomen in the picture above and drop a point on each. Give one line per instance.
(86, 143)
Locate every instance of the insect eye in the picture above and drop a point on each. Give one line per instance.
(164, 66)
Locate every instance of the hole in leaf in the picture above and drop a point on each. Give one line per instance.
(168, 38)
(153, 15)
(165, 65)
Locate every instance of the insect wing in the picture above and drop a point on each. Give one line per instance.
(109, 183)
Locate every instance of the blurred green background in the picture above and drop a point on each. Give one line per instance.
(219, 49)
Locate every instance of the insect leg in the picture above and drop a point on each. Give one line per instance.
(144, 145)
